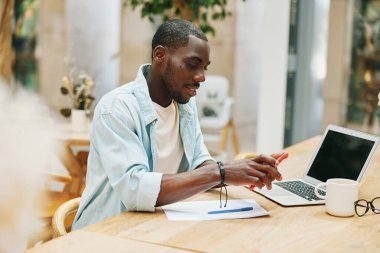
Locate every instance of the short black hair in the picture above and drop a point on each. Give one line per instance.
(175, 33)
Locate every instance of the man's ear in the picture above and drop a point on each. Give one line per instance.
(159, 54)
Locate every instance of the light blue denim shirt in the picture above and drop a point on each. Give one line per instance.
(120, 175)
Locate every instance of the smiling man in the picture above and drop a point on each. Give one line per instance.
(147, 148)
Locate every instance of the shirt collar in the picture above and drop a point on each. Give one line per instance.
(141, 92)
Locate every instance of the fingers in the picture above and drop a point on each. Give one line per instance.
(265, 174)
(259, 171)
(263, 180)
(277, 155)
(268, 165)
(256, 182)
(270, 171)
(266, 159)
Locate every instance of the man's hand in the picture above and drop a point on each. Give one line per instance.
(259, 171)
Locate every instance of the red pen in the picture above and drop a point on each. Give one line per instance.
(279, 160)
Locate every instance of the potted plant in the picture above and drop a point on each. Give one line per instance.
(196, 11)
(79, 90)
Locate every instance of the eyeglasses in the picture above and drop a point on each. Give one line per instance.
(362, 206)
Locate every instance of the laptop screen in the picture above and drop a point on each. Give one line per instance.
(340, 156)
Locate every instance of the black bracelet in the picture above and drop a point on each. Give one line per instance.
(222, 184)
(222, 172)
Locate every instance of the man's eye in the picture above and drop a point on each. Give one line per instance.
(191, 66)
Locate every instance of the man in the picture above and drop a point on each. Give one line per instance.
(146, 148)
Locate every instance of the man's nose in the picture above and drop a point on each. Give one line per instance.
(199, 77)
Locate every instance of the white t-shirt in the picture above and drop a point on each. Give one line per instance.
(169, 147)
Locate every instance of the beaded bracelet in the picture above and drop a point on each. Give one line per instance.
(222, 172)
(222, 179)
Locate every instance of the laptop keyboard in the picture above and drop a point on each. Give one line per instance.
(301, 189)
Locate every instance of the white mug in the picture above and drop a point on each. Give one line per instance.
(340, 196)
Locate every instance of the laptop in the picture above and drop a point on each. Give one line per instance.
(341, 153)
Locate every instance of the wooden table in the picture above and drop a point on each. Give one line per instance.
(291, 229)
(88, 242)
(76, 164)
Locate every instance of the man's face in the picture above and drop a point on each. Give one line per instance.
(185, 69)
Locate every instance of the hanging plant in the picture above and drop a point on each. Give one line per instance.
(199, 12)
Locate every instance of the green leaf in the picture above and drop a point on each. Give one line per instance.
(66, 112)
(206, 28)
(177, 11)
(203, 10)
(64, 90)
(204, 16)
(215, 15)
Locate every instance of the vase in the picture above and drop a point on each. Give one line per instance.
(79, 121)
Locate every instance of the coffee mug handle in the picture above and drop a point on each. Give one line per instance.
(317, 193)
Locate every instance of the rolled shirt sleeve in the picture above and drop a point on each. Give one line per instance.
(120, 146)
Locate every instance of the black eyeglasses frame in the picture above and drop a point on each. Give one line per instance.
(368, 206)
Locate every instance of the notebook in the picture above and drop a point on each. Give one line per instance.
(341, 153)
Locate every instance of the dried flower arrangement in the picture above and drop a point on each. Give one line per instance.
(79, 90)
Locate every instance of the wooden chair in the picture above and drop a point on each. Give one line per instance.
(63, 217)
(76, 164)
(244, 155)
(46, 204)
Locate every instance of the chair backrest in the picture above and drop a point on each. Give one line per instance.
(47, 202)
(59, 221)
(212, 97)
(214, 89)
(214, 107)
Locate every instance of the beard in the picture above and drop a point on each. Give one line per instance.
(169, 84)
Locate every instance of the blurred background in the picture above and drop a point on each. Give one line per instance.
(293, 66)
(289, 67)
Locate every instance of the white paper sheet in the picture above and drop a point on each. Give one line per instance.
(199, 210)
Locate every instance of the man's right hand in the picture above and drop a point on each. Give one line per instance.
(259, 171)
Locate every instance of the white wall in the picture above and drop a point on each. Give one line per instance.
(135, 48)
(93, 40)
(50, 52)
(273, 67)
(249, 22)
(262, 28)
